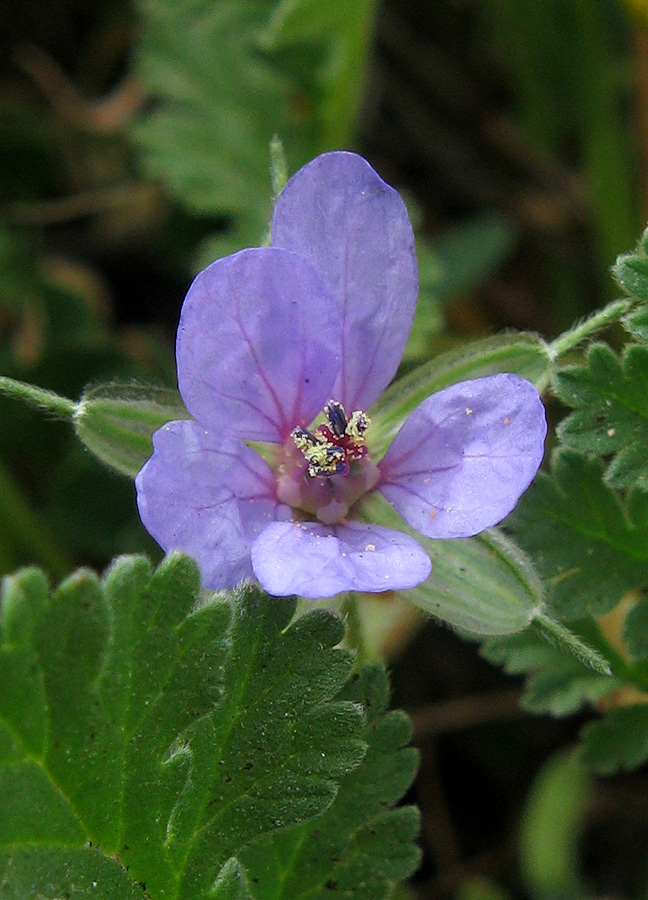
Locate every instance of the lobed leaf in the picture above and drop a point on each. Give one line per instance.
(361, 845)
(619, 741)
(219, 102)
(588, 547)
(340, 34)
(224, 78)
(556, 681)
(610, 396)
(146, 739)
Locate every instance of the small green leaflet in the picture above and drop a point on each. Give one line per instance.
(610, 398)
(631, 270)
(146, 738)
(619, 741)
(588, 547)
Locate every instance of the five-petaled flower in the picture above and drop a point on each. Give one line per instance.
(286, 348)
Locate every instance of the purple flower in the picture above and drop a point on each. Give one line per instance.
(281, 352)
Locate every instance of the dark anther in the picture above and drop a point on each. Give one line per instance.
(337, 417)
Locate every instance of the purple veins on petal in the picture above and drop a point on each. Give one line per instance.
(314, 560)
(465, 455)
(258, 344)
(338, 214)
(207, 497)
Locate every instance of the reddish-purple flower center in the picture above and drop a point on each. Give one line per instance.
(325, 471)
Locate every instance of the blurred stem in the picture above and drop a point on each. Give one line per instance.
(355, 633)
(609, 315)
(36, 396)
(19, 522)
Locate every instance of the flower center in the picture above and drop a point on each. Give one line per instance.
(330, 448)
(326, 470)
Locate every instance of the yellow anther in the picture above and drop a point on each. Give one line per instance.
(356, 427)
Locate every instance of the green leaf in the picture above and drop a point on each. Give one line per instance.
(551, 828)
(636, 322)
(343, 32)
(631, 271)
(618, 741)
(610, 397)
(225, 77)
(524, 354)
(361, 845)
(557, 682)
(219, 102)
(116, 422)
(165, 732)
(232, 883)
(587, 548)
(483, 585)
(53, 872)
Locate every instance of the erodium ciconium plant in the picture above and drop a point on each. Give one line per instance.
(281, 352)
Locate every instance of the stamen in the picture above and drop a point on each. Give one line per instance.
(323, 458)
(356, 427)
(334, 412)
(331, 447)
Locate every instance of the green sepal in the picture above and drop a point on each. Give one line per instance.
(523, 354)
(482, 585)
(116, 422)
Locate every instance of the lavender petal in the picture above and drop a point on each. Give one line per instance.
(338, 214)
(257, 346)
(465, 455)
(314, 560)
(209, 499)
